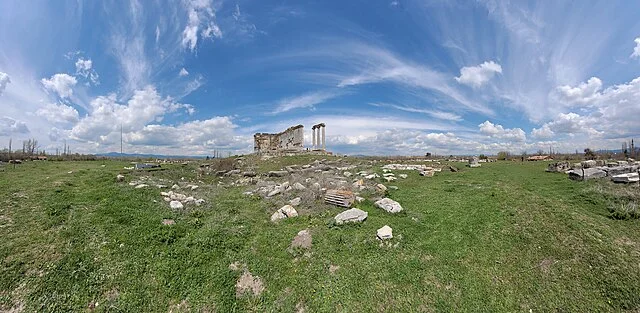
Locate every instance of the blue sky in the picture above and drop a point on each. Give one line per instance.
(386, 77)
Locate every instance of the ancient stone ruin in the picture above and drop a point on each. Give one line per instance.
(318, 140)
(292, 139)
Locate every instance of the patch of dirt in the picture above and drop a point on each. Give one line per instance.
(183, 306)
(167, 221)
(624, 241)
(300, 308)
(545, 265)
(333, 268)
(247, 283)
(302, 240)
(112, 294)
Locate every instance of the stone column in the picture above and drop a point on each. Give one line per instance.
(313, 138)
(318, 139)
(324, 147)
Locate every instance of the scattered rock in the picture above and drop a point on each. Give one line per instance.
(403, 176)
(394, 187)
(277, 173)
(194, 187)
(249, 174)
(626, 178)
(453, 169)
(176, 205)
(351, 216)
(384, 233)
(141, 186)
(175, 186)
(120, 177)
(199, 202)
(302, 240)
(295, 202)
(587, 173)
(359, 199)
(389, 205)
(249, 284)
(286, 211)
(381, 187)
(347, 174)
(299, 186)
(167, 221)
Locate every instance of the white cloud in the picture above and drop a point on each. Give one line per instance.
(543, 132)
(200, 14)
(62, 84)
(476, 76)
(433, 113)
(85, 69)
(636, 50)
(183, 72)
(102, 125)
(497, 131)
(584, 93)
(214, 132)
(9, 126)
(305, 101)
(4, 81)
(58, 113)
(236, 12)
(375, 65)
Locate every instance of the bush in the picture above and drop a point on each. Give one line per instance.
(624, 210)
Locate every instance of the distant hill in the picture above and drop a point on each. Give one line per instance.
(149, 156)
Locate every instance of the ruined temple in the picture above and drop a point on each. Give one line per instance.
(292, 139)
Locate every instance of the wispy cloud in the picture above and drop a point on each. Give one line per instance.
(307, 100)
(433, 113)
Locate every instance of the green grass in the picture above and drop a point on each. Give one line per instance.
(501, 238)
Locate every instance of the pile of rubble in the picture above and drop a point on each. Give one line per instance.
(618, 171)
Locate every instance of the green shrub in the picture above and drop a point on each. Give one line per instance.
(624, 210)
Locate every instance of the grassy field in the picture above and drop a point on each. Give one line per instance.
(506, 237)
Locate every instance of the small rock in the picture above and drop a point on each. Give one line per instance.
(453, 169)
(394, 187)
(161, 186)
(351, 216)
(175, 186)
(165, 194)
(277, 173)
(249, 174)
(295, 202)
(176, 205)
(389, 205)
(194, 187)
(403, 176)
(299, 186)
(302, 240)
(274, 192)
(284, 212)
(385, 233)
(347, 174)
(200, 202)
(120, 177)
(167, 221)
(70, 172)
(359, 199)
(166, 199)
(141, 186)
(381, 187)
